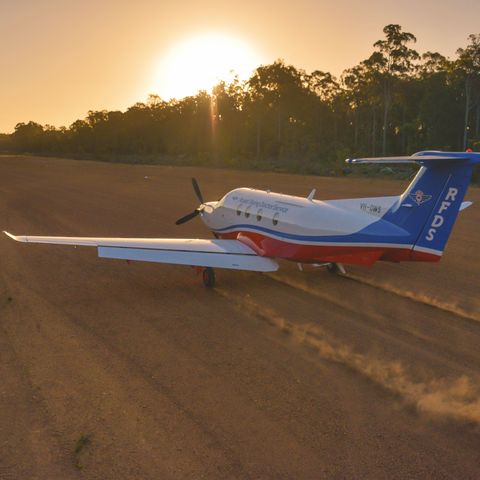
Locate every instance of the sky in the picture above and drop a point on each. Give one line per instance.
(61, 58)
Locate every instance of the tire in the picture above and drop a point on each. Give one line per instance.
(333, 268)
(208, 276)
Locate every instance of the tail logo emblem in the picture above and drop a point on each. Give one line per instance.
(419, 197)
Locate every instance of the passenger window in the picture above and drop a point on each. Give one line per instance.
(239, 210)
(247, 212)
(259, 215)
(275, 218)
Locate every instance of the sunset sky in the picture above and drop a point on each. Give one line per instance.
(61, 58)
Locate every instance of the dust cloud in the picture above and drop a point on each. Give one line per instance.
(420, 297)
(455, 399)
(417, 297)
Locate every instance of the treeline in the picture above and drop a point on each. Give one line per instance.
(394, 102)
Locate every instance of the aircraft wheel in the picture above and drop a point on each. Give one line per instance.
(333, 268)
(208, 276)
(337, 268)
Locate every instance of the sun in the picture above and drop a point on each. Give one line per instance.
(200, 62)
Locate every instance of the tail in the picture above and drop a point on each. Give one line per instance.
(429, 206)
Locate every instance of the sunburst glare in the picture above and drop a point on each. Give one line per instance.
(200, 62)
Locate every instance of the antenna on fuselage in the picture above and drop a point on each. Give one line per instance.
(311, 194)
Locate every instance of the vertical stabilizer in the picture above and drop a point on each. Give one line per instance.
(436, 230)
(429, 206)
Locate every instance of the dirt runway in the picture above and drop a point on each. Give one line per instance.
(111, 370)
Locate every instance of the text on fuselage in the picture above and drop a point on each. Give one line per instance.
(261, 204)
(438, 218)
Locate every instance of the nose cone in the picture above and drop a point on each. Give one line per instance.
(208, 213)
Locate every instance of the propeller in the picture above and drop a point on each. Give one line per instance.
(189, 216)
(197, 190)
(198, 210)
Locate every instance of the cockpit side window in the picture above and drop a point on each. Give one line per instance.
(275, 218)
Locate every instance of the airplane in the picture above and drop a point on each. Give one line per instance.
(254, 228)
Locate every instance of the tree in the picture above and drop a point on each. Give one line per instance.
(363, 94)
(438, 113)
(287, 118)
(469, 64)
(227, 102)
(28, 137)
(274, 94)
(393, 60)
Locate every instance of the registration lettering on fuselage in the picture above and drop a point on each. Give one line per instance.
(371, 208)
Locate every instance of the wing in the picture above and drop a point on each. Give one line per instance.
(203, 253)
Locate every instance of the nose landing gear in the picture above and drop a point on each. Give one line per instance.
(208, 276)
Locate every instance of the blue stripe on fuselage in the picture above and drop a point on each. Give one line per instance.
(377, 232)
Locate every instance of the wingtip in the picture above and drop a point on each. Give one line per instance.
(13, 237)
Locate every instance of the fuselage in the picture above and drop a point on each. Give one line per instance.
(351, 231)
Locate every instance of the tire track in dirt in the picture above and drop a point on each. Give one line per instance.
(457, 399)
(124, 421)
(146, 365)
(455, 338)
(68, 326)
(44, 456)
(451, 308)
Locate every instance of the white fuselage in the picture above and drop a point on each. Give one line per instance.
(295, 215)
(303, 229)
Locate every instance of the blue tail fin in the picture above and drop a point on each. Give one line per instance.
(429, 206)
(446, 185)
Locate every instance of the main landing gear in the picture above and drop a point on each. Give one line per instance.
(332, 267)
(336, 268)
(208, 276)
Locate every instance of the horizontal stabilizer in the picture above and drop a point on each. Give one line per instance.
(412, 159)
(426, 159)
(465, 205)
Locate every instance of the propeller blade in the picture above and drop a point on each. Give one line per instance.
(197, 190)
(187, 217)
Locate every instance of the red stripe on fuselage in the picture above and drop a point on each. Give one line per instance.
(267, 246)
